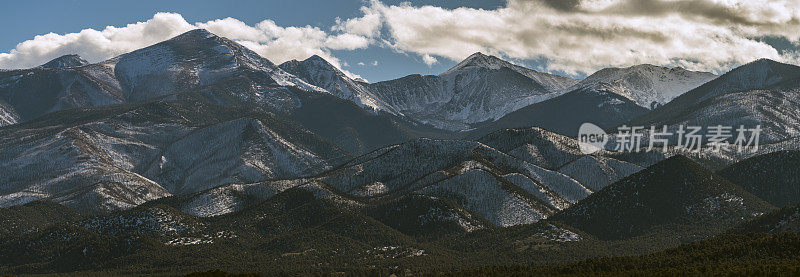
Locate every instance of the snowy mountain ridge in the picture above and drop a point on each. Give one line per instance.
(123, 156)
(552, 82)
(65, 61)
(186, 63)
(320, 72)
(481, 88)
(762, 92)
(647, 85)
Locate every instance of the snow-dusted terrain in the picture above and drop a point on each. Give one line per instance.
(198, 147)
(65, 62)
(598, 172)
(321, 73)
(214, 129)
(647, 85)
(194, 59)
(125, 156)
(762, 92)
(565, 113)
(608, 98)
(191, 61)
(502, 189)
(480, 88)
(7, 114)
(243, 150)
(560, 153)
(156, 221)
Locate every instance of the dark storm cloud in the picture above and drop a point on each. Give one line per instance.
(710, 10)
(562, 5)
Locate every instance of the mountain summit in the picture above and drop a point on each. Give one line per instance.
(195, 59)
(479, 60)
(647, 85)
(195, 62)
(65, 61)
(482, 60)
(481, 88)
(758, 74)
(318, 71)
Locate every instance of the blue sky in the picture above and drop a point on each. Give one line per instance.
(572, 38)
(33, 18)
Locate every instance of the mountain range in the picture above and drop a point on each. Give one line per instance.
(198, 145)
(763, 92)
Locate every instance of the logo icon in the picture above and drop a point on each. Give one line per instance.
(591, 138)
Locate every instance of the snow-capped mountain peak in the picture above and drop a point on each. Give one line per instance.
(317, 58)
(647, 85)
(481, 88)
(758, 74)
(553, 83)
(321, 73)
(198, 58)
(71, 60)
(762, 92)
(481, 60)
(193, 62)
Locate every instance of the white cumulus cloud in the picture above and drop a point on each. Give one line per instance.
(367, 25)
(276, 43)
(567, 36)
(429, 60)
(581, 36)
(280, 44)
(95, 45)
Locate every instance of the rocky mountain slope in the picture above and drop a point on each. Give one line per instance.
(473, 184)
(560, 153)
(607, 98)
(485, 183)
(197, 152)
(121, 156)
